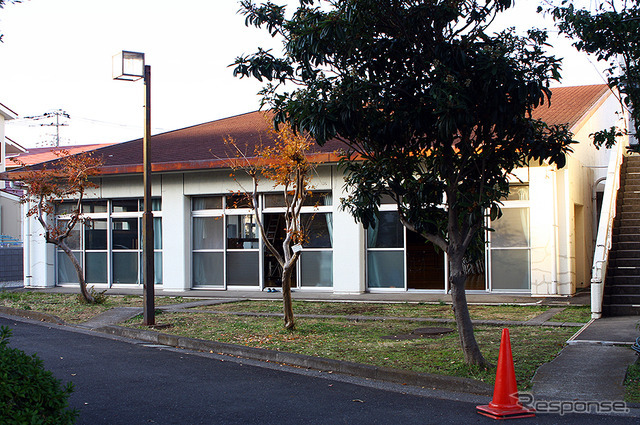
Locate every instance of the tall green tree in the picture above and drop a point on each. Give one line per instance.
(436, 111)
(610, 30)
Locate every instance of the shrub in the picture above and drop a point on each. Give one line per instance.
(99, 297)
(29, 394)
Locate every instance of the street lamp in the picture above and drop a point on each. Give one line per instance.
(129, 66)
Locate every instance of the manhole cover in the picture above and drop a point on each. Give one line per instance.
(432, 331)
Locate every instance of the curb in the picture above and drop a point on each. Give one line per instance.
(425, 380)
(33, 315)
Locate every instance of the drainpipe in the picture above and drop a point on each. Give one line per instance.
(26, 246)
(594, 196)
(554, 264)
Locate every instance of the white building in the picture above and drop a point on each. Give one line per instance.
(204, 238)
(10, 207)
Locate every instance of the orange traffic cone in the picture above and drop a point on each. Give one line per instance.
(505, 403)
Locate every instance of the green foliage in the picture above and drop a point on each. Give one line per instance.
(432, 102)
(632, 383)
(99, 297)
(29, 394)
(606, 138)
(612, 33)
(434, 111)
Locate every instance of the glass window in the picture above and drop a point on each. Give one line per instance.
(156, 204)
(238, 201)
(510, 269)
(385, 269)
(125, 267)
(512, 229)
(206, 203)
(95, 234)
(94, 207)
(125, 205)
(157, 232)
(207, 233)
(66, 271)
(242, 268)
(518, 192)
(65, 208)
(319, 230)
(241, 232)
(208, 269)
(388, 232)
(272, 200)
(316, 268)
(318, 199)
(73, 240)
(157, 267)
(313, 199)
(96, 267)
(125, 233)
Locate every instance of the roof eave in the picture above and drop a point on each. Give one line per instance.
(166, 167)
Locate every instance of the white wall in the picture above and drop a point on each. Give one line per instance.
(176, 233)
(10, 215)
(38, 256)
(348, 245)
(561, 253)
(3, 147)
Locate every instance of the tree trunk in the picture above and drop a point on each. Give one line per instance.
(457, 278)
(287, 274)
(83, 285)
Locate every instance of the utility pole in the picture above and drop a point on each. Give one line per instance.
(57, 114)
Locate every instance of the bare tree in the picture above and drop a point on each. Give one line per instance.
(67, 178)
(287, 166)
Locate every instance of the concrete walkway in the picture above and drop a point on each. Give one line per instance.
(591, 367)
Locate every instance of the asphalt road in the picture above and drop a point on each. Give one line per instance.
(128, 382)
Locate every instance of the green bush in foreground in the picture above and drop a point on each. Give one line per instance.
(29, 394)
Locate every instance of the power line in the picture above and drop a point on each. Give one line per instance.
(57, 114)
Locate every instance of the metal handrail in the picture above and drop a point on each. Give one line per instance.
(605, 230)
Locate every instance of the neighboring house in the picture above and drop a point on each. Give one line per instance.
(205, 238)
(10, 207)
(11, 271)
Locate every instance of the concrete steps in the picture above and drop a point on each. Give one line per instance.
(622, 286)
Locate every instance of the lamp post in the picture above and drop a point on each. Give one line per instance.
(129, 66)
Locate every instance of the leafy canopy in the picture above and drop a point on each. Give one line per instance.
(612, 33)
(433, 106)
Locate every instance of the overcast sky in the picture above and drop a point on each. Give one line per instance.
(57, 55)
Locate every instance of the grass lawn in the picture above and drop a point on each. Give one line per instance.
(632, 384)
(579, 314)
(439, 311)
(68, 308)
(361, 342)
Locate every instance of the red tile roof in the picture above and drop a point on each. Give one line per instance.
(570, 104)
(38, 155)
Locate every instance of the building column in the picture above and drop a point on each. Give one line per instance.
(176, 235)
(348, 245)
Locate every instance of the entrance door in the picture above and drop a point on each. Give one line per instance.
(276, 233)
(425, 265)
